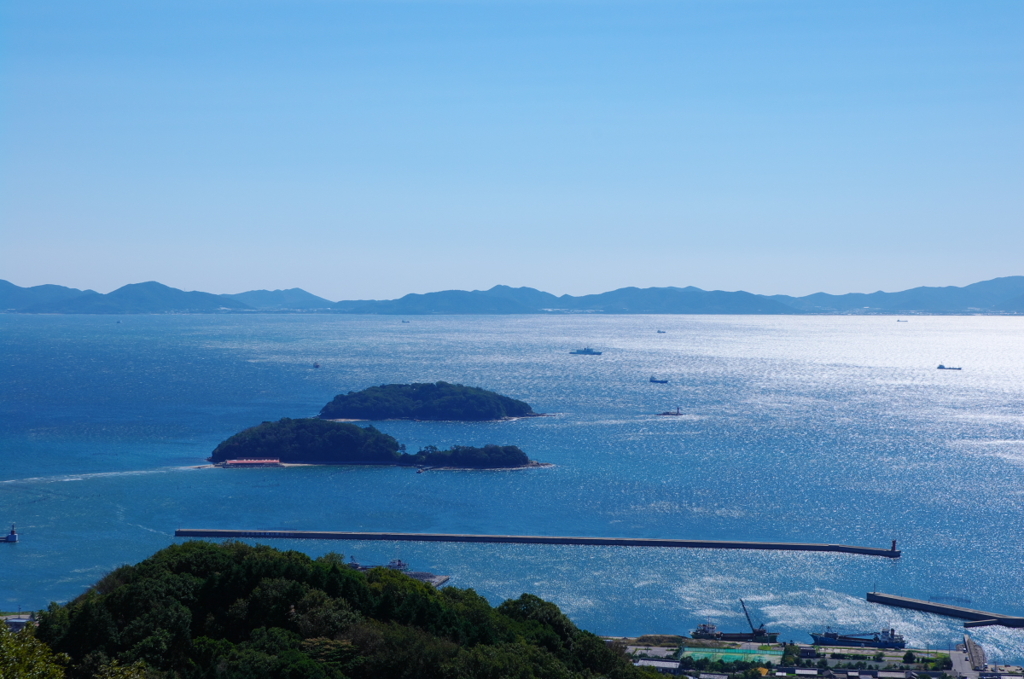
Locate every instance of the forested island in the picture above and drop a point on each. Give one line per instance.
(316, 441)
(234, 611)
(438, 401)
(468, 457)
(310, 441)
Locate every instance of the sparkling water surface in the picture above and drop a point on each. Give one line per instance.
(817, 429)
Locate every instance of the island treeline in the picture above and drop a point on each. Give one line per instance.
(314, 441)
(437, 401)
(310, 441)
(200, 610)
(488, 457)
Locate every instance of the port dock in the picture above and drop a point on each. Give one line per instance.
(538, 540)
(974, 617)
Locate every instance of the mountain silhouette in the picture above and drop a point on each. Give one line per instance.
(997, 296)
(293, 298)
(977, 297)
(14, 298)
(140, 298)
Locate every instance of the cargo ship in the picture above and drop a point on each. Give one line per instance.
(887, 638)
(759, 634)
(586, 351)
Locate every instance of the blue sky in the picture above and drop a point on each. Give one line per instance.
(369, 149)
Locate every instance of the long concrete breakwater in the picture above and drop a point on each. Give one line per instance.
(538, 540)
(974, 617)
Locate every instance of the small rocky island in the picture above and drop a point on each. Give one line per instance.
(468, 457)
(439, 401)
(316, 441)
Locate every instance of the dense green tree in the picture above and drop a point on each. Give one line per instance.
(22, 656)
(321, 441)
(116, 670)
(309, 440)
(488, 457)
(232, 611)
(439, 401)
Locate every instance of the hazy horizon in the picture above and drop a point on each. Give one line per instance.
(592, 292)
(363, 150)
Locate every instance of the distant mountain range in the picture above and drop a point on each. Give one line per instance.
(997, 296)
(151, 298)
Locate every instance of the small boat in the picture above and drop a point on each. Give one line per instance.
(398, 565)
(405, 321)
(657, 381)
(887, 638)
(669, 412)
(585, 351)
(13, 537)
(900, 321)
(758, 634)
(705, 630)
(661, 332)
(943, 367)
(316, 365)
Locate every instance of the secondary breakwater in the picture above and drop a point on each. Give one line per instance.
(974, 617)
(539, 540)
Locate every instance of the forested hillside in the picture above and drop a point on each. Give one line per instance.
(470, 457)
(200, 610)
(313, 441)
(310, 441)
(439, 401)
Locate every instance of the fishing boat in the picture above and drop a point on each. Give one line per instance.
(705, 630)
(757, 634)
(887, 638)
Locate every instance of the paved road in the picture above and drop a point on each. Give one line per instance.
(961, 665)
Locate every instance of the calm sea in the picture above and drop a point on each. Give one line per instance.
(822, 429)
